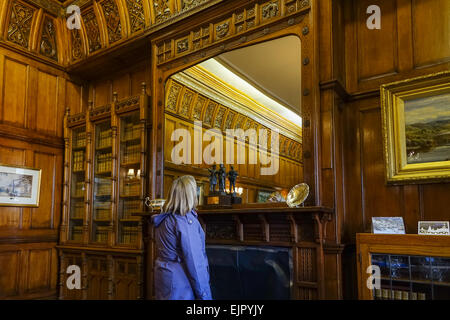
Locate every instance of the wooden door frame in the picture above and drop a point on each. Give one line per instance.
(300, 22)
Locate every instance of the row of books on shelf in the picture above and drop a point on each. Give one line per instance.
(131, 154)
(78, 191)
(131, 131)
(387, 294)
(78, 210)
(129, 207)
(131, 188)
(104, 139)
(78, 160)
(101, 234)
(104, 162)
(103, 213)
(104, 188)
(129, 234)
(77, 233)
(79, 139)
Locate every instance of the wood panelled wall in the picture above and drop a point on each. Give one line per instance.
(126, 83)
(33, 98)
(414, 40)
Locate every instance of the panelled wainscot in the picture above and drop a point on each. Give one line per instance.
(104, 186)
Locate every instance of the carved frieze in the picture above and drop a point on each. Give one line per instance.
(240, 122)
(187, 4)
(197, 114)
(136, 13)
(209, 113)
(270, 10)
(48, 45)
(242, 20)
(162, 10)
(182, 45)
(222, 29)
(113, 23)
(173, 97)
(92, 31)
(19, 28)
(186, 103)
(219, 117)
(77, 44)
(229, 120)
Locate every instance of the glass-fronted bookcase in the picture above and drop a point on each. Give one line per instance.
(411, 267)
(104, 192)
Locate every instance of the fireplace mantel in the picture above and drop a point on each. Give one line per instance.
(303, 230)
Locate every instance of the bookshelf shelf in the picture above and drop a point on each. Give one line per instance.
(103, 186)
(412, 267)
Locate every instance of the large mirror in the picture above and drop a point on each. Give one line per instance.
(241, 109)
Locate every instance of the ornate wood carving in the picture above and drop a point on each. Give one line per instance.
(162, 10)
(173, 97)
(219, 117)
(48, 45)
(77, 44)
(186, 103)
(197, 113)
(92, 31)
(20, 23)
(114, 26)
(229, 120)
(270, 10)
(207, 120)
(238, 22)
(136, 14)
(188, 4)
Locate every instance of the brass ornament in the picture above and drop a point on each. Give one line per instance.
(297, 195)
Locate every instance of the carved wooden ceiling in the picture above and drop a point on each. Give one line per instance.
(40, 26)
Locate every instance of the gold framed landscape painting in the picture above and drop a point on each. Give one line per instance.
(19, 186)
(416, 129)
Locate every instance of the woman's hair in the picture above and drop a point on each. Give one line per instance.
(182, 196)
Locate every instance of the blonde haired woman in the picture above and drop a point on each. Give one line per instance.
(181, 267)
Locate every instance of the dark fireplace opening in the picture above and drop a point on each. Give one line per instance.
(250, 272)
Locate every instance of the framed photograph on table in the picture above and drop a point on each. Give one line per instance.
(19, 186)
(416, 129)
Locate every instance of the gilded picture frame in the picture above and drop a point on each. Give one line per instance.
(416, 129)
(19, 186)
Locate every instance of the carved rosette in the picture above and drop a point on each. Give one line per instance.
(136, 12)
(20, 23)
(113, 23)
(48, 46)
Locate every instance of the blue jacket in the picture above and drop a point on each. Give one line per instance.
(181, 266)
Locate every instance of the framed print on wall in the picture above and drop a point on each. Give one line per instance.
(416, 129)
(19, 186)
